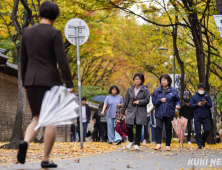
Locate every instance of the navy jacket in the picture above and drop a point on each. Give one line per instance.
(201, 111)
(168, 108)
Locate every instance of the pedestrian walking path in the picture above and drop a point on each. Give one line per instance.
(186, 158)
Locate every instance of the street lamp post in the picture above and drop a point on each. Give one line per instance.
(166, 49)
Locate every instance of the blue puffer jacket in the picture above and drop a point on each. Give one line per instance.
(168, 108)
(200, 111)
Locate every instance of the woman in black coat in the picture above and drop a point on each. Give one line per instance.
(41, 51)
(135, 102)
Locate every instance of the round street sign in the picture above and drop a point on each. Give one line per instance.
(70, 31)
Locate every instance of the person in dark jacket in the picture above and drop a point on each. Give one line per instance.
(41, 52)
(86, 115)
(135, 102)
(165, 99)
(96, 130)
(201, 103)
(103, 133)
(187, 112)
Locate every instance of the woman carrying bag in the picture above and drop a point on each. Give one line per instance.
(135, 102)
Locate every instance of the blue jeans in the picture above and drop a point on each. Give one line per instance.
(145, 134)
(201, 138)
(74, 134)
(112, 134)
(153, 131)
(84, 125)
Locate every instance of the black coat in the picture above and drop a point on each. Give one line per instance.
(97, 117)
(41, 51)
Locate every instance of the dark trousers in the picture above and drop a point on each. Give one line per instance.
(130, 133)
(201, 138)
(189, 126)
(96, 133)
(159, 129)
(103, 131)
(146, 130)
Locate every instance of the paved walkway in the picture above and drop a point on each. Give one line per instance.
(146, 158)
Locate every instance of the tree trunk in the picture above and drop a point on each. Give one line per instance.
(219, 7)
(180, 62)
(196, 31)
(17, 134)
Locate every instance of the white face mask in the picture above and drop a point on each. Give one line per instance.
(201, 92)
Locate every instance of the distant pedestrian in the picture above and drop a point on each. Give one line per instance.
(135, 102)
(73, 131)
(165, 99)
(187, 112)
(120, 125)
(201, 104)
(96, 130)
(112, 101)
(86, 116)
(153, 125)
(219, 129)
(146, 128)
(103, 124)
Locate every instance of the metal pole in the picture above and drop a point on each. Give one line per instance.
(79, 86)
(174, 69)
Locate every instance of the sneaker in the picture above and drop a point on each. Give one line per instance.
(110, 143)
(158, 147)
(189, 143)
(136, 147)
(23, 146)
(148, 141)
(144, 142)
(118, 142)
(168, 148)
(129, 145)
(153, 142)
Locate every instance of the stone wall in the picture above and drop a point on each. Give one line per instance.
(8, 107)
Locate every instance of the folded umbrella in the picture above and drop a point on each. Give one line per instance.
(59, 107)
(180, 126)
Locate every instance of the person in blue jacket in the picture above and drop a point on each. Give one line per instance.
(165, 99)
(201, 103)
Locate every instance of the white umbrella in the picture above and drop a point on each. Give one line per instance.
(59, 107)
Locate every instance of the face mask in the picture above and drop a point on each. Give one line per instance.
(201, 92)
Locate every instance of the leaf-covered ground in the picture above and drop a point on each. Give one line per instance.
(177, 157)
(61, 151)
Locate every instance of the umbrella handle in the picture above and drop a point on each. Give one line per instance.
(177, 113)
